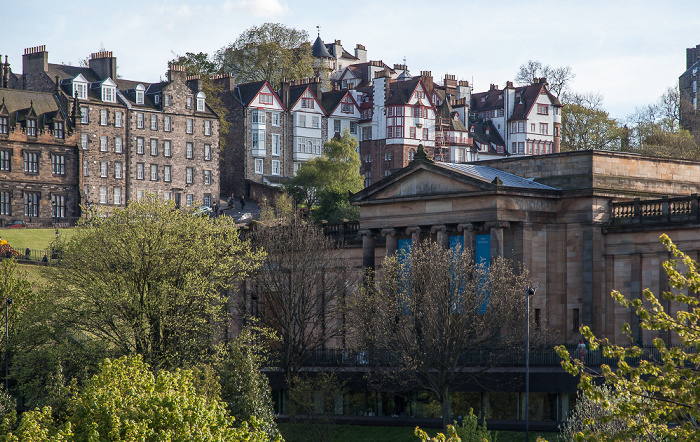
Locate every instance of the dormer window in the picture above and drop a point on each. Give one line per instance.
(31, 127)
(200, 101)
(109, 91)
(80, 90)
(140, 92)
(156, 98)
(59, 129)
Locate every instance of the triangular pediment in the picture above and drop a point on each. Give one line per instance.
(428, 181)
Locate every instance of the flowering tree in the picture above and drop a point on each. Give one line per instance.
(661, 400)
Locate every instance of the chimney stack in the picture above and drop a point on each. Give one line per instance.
(35, 60)
(104, 64)
(176, 72)
(427, 77)
(226, 81)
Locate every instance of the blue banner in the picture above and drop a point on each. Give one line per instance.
(405, 276)
(482, 257)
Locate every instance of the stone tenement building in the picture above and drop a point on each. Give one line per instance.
(38, 158)
(135, 137)
(688, 87)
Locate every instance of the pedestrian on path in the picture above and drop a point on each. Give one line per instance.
(242, 203)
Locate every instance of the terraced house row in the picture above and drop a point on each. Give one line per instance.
(81, 135)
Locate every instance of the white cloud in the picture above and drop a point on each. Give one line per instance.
(184, 11)
(261, 8)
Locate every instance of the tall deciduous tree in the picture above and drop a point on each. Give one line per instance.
(432, 305)
(660, 394)
(271, 52)
(149, 279)
(558, 78)
(585, 125)
(327, 180)
(300, 290)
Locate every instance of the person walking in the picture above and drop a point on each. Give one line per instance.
(581, 349)
(242, 202)
(232, 202)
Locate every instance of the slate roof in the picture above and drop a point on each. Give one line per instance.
(319, 50)
(488, 174)
(400, 92)
(687, 72)
(479, 134)
(295, 93)
(526, 96)
(18, 103)
(248, 91)
(69, 72)
(447, 113)
(331, 100)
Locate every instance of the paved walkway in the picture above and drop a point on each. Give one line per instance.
(250, 207)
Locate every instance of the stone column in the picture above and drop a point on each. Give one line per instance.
(392, 242)
(367, 248)
(415, 235)
(497, 236)
(442, 237)
(469, 235)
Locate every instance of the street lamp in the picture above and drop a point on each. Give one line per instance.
(8, 301)
(529, 291)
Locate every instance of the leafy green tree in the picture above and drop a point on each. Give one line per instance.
(661, 399)
(271, 52)
(431, 306)
(125, 401)
(327, 181)
(245, 389)
(150, 279)
(585, 125)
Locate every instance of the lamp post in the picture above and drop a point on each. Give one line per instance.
(8, 301)
(529, 291)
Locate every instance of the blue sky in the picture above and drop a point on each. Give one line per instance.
(629, 51)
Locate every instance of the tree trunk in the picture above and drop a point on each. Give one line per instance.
(446, 409)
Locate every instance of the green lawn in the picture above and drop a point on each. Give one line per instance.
(359, 433)
(35, 239)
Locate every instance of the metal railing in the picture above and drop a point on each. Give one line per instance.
(478, 357)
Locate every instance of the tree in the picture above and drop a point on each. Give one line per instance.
(150, 279)
(661, 400)
(328, 180)
(557, 78)
(126, 402)
(587, 416)
(300, 290)
(585, 125)
(244, 388)
(433, 305)
(271, 52)
(655, 129)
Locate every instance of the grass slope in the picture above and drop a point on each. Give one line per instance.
(35, 239)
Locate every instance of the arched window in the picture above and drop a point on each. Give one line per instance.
(200, 101)
(411, 154)
(140, 89)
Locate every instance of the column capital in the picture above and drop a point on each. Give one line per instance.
(497, 225)
(388, 232)
(365, 232)
(466, 227)
(412, 230)
(438, 228)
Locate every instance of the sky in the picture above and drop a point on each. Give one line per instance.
(630, 52)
